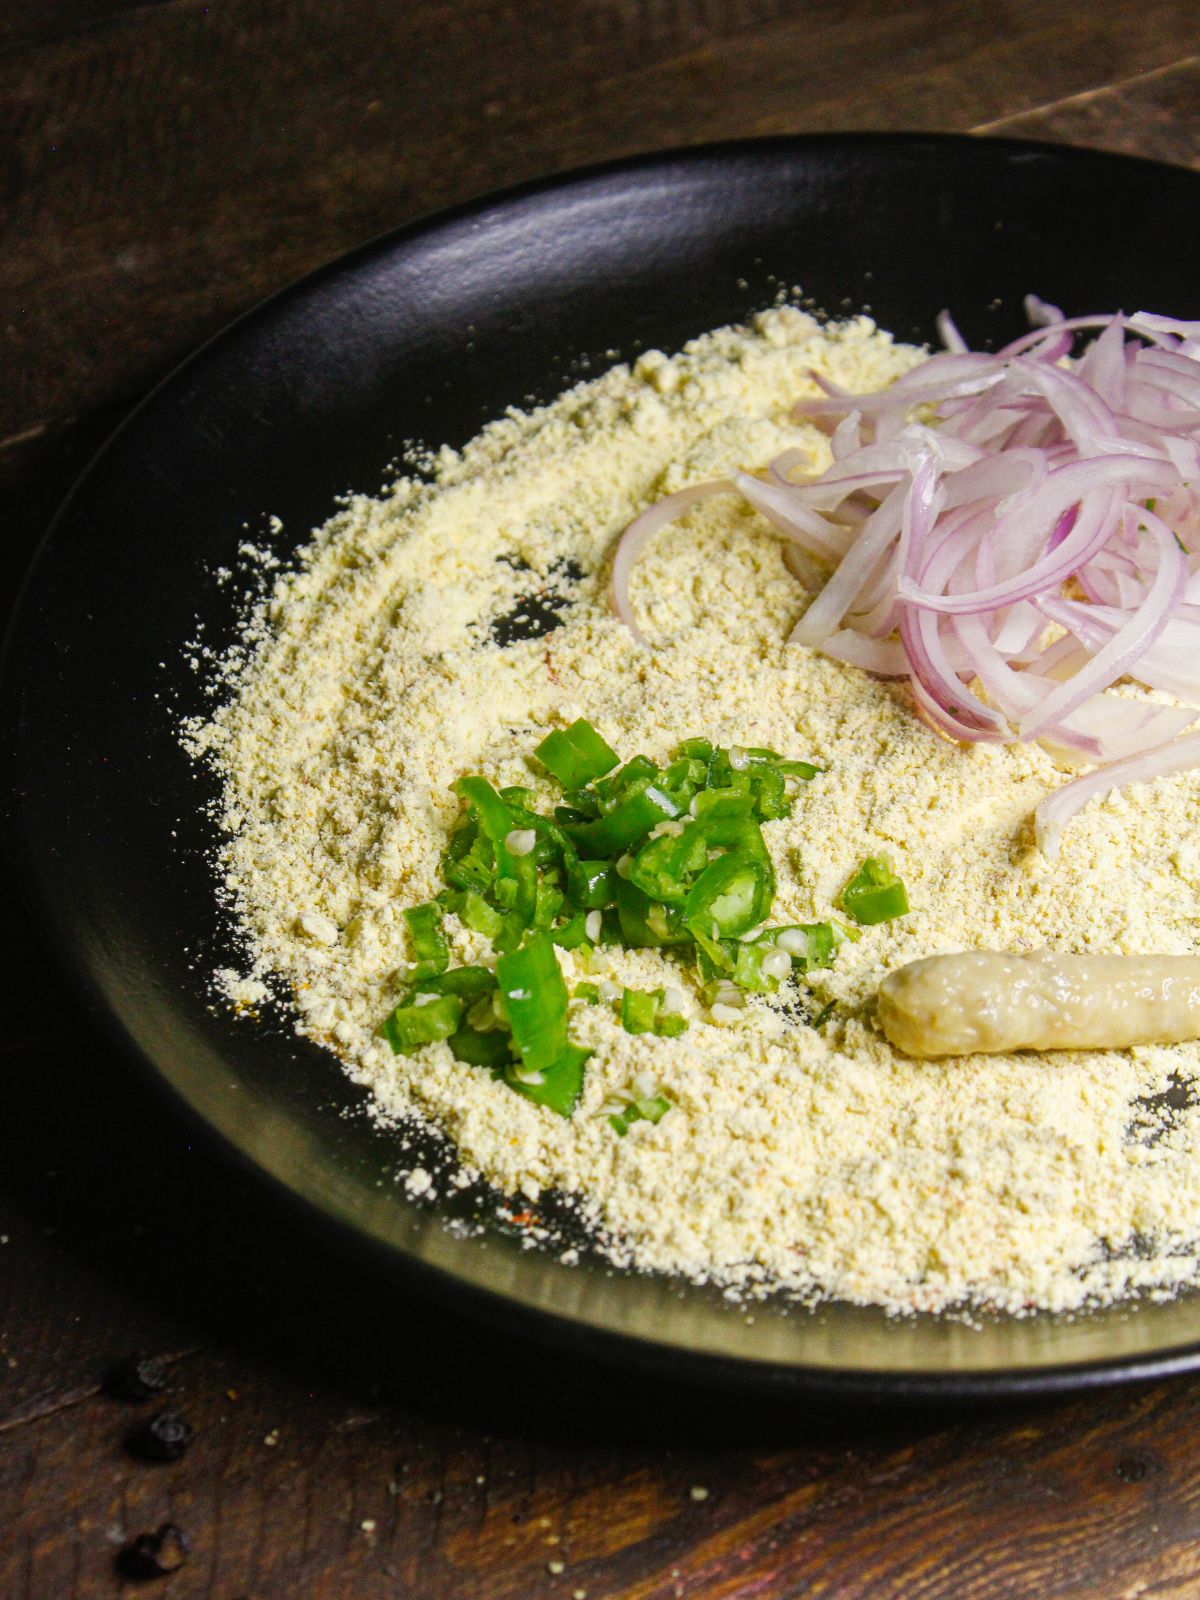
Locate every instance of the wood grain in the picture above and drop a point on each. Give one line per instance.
(169, 168)
(478, 1493)
(165, 166)
(1156, 114)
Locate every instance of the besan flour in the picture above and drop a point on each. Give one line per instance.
(821, 1162)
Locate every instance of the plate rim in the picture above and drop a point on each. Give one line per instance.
(51, 919)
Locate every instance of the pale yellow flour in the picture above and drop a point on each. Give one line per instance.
(822, 1162)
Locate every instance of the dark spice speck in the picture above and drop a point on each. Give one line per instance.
(138, 1377)
(155, 1555)
(163, 1438)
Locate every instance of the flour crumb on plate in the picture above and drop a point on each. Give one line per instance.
(402, 652)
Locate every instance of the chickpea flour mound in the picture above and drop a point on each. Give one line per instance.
(820, 1162)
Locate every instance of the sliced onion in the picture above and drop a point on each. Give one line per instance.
(1045, 494)
(1178, 755)
(641, 530)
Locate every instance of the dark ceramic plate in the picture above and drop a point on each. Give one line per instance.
(427, 334)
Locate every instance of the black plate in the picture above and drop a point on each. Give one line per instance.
(427, 334)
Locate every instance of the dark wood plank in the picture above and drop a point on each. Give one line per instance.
(172, 166)
(1156, 114)
(474, 1488)
(23, 25)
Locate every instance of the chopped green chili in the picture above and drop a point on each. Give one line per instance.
(629, 780)
(535, 998)
(557, 1085)
(479, 916)
(642, 1012)
(600, 871)
(576, 755)
(493, 814)
(479, 1049)
(875, 894)
(664, 867)
(573, 933)
(586, 802)
(639, 1009)
(469, 983)
(644, 923)
(591, 884)
(650, 1108)
(411, 1026)
(428, 942)
(630, 820)
(731, 896)
(748, 968)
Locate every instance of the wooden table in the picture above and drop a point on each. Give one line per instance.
(166, 165)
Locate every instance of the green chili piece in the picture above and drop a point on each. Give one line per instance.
(469, 983)
(711, 804)
(585, 800)
(493, 815)
(664, 867)
(756, 756)
(516, 891)
(630, 821)
(694, 749)
(552, 838)
(461, 840)
(576, 755)
(875, 894)
(411, 1026)
(642, 1012)
(748, 969)
(769, 788)
(722, 774)
(730, 896)
(428, 942)
(492, 1049)
(714, 956)
(557, 1085)
(646, 923)
(535, 998)
(475, 868)
(517, 795)
(571, 934)
(740, 834)
(798, 769)
(591, 885)
(685, 777)
(810, 944)
(650, 1108)
(630, 780)
(547, 905)
(589, 992)
(479, 916)
(639, 1009)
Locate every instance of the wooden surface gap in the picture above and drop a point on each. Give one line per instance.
(1065, 104)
